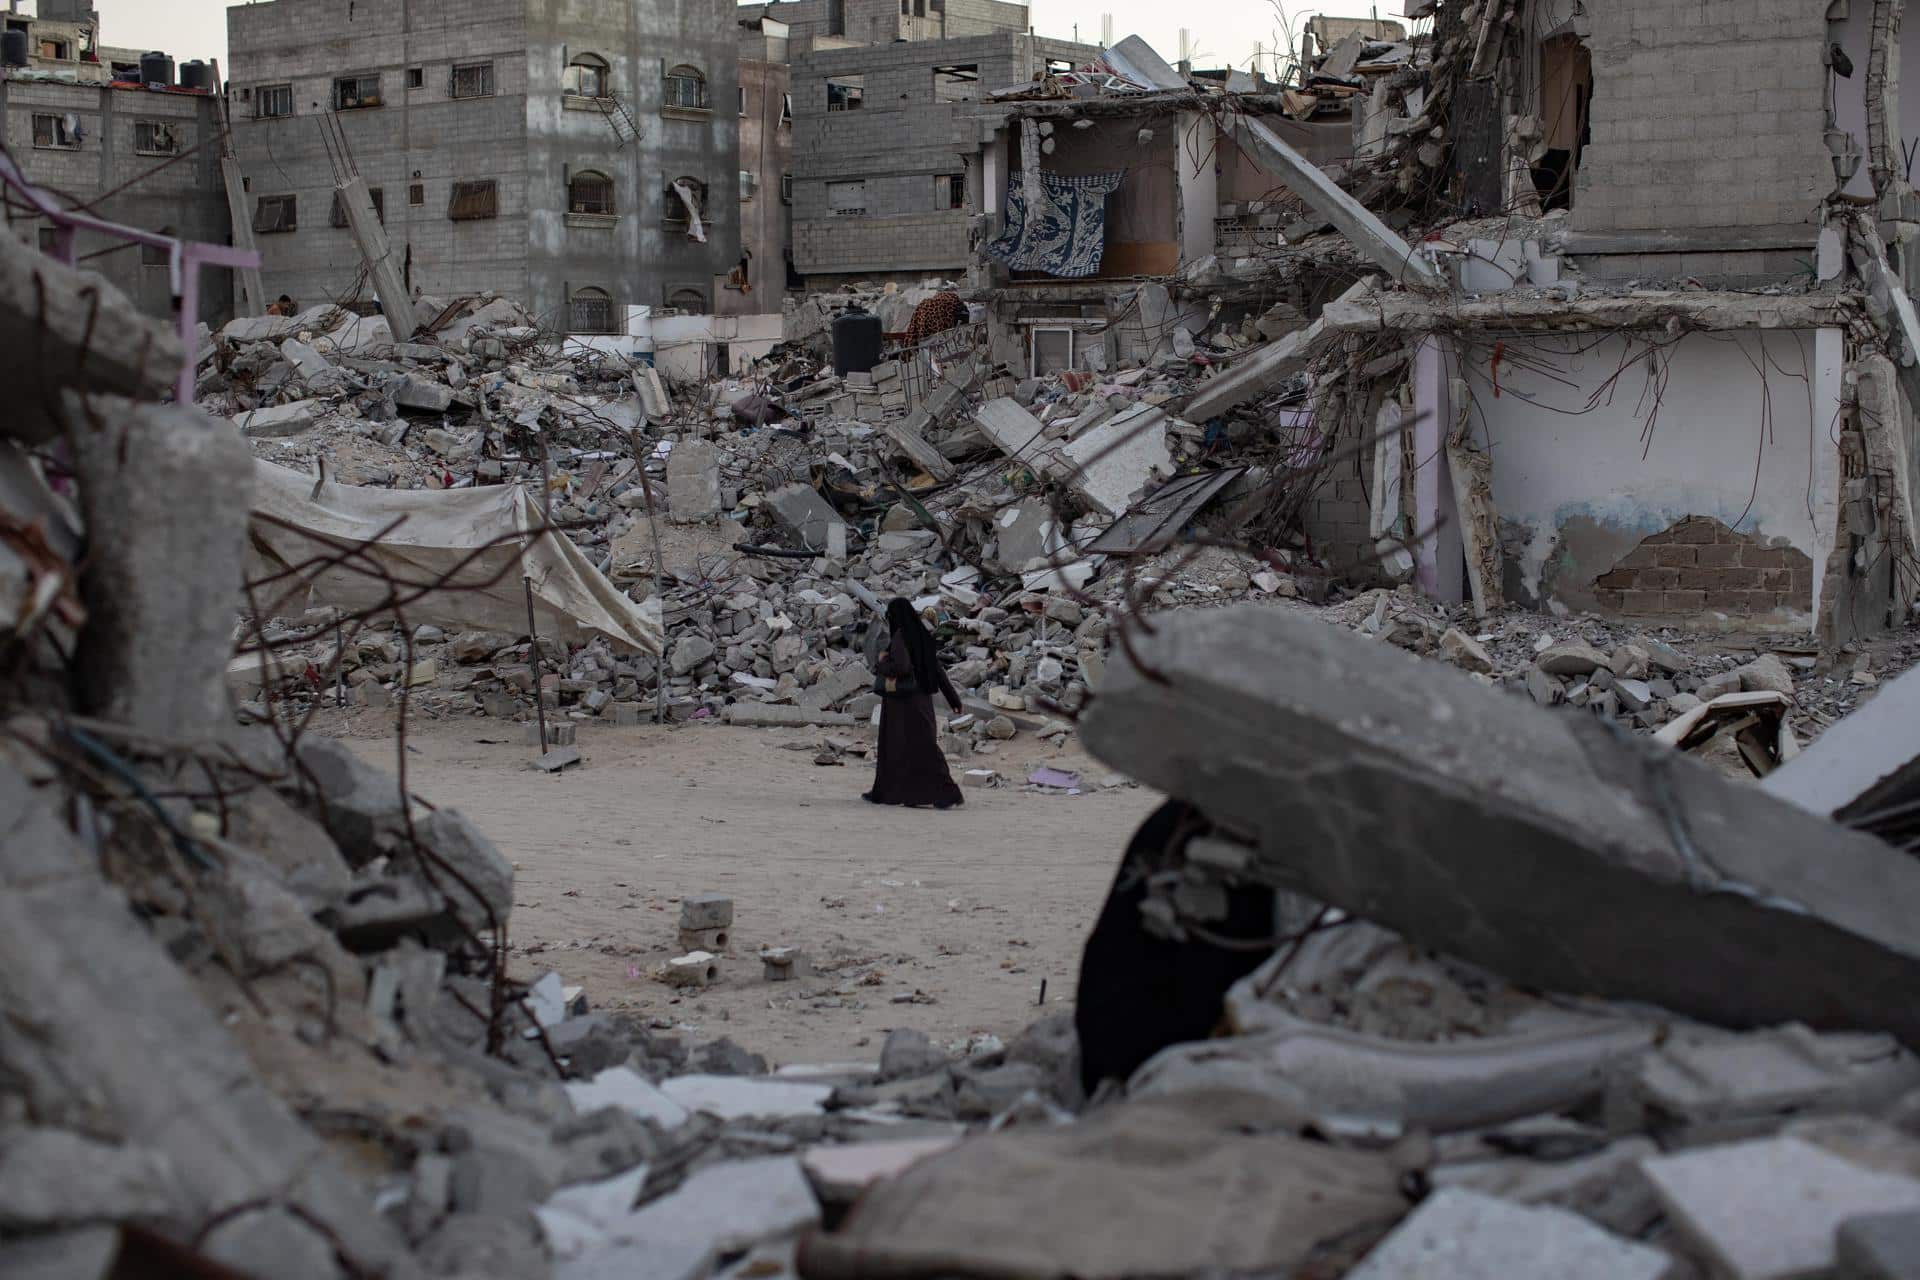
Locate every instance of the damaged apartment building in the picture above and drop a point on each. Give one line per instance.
(1610, 303)
(124, 134)
(579, 158)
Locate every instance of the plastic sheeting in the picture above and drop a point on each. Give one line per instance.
(476, 535)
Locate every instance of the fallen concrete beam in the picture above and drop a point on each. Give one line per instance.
(1323, 195)
(914, 445)
(396, 304)
(1539, 845)
(60, 327)
(761, 715)
(1407, 313)
(1269, 365)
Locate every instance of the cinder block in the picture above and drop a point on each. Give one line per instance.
(706, 911)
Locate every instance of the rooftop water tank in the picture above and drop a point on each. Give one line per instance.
(13, 47)
(156, 68)
(198, 74)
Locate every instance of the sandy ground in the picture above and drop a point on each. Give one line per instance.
(950, 922)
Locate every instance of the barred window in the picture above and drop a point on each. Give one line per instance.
(687, 299)
(675, 216)
(472, 201)
(590, 192)
(273, 215)
(686, 89)
(475, 80)
(592, 311)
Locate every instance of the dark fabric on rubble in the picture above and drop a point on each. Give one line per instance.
(909, 768)
(1140, 994)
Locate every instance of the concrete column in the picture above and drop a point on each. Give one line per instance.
(1829, 373)
(1199, 185)
(1439, 567)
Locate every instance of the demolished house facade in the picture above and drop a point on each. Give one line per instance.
(1648, 359)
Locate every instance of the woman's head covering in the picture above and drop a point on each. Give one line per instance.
(902, 621)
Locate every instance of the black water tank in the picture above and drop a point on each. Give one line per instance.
(856, 341)
(156, 68)
(13, 47)
(198, 74)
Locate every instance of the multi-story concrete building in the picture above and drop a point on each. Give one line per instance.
(581, 157)
(887, 138)
(766, 172)
(825, 23)
(80, 123)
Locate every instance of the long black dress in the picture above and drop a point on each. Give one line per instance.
(910, 768)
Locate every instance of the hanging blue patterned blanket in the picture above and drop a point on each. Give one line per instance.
(1066, 235)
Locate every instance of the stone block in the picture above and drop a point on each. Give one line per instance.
(693, 482)
(1463, 651)
(560, 733)
(280, 420)
(1771, 1209)
(422, 395)
(706, 911)
(762, 715)
(1571, 660)
(625, 714)
(802, 511)
(1464, 1235)
(713, 940)
(695, 969)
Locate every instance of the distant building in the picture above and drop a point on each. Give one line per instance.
(580, 158)
(80, 123)
(766, 172)
(887, 140)
(828, 23)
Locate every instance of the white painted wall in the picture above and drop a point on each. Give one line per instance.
(1199, 185)
(1741, 429)
(678, 344)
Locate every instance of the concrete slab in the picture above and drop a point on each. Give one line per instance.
(1871, 754)
(280, 419)
(1769, 1209)
(1112, 463)
(1476, 823)
(1464, 1235)
(741, 1097)
(760, 715)
(840, 1174)
(693, 482)
(801, 509)
(627, 1088)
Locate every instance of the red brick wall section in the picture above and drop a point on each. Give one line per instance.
(1700, 564)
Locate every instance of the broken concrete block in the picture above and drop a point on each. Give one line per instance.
(693, 482)
(1634, 695)
(625, 714)
(52, 1178)
(1114, 462)
(309, 362)
(908, 1053)
(1811, 923)
(426, 397)
(468, 868)
(1604, 1187)
(723, 1209)
(478, 646)
(1868, 759)
(782, 964)
(1703, 1086)
(1571, 660)
(159, 589)
(1463, 651)
(271, 1241)
(979, 778)
(557, 759)
(1766, 673)
(714, 940)
(836, 686)
(689, 654)
(840, 1174)
(695, 969)
(1770, 1209)
(747, 1097)
(1628, 662)
(802, 511)
(1464, 1235)
(280, 419)
(1546, 690)
(625, 1088)
(1881, 1246)
(706, 911)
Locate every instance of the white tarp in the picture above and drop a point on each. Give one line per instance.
(437, 531)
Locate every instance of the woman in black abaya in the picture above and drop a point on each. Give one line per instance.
(910, 769)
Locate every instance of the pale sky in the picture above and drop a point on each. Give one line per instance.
(1221, 31)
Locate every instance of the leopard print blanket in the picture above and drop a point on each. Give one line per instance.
(941, 312)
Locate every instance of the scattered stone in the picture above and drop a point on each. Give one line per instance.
(1768, 674)
(706, 911)
(909, 1053)
(1571, 660)
(695, 969)
(1463, 651)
